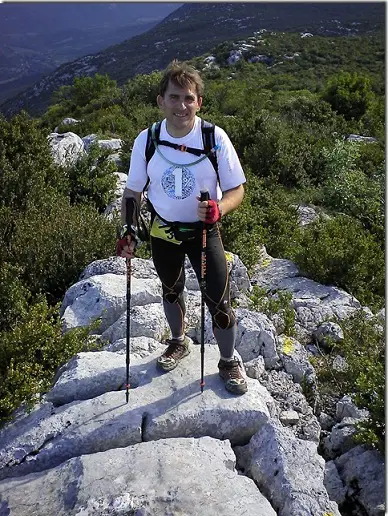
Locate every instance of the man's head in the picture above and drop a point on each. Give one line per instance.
(180, 98)
(183, 75)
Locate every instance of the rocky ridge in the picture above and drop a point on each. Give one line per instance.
(172, 450)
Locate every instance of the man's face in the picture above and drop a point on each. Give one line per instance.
(179, 106)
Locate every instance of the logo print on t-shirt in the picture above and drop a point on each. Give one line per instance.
(178, 182)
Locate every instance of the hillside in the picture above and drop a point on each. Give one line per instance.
(195, 28)
(36, 38)
(306, 251)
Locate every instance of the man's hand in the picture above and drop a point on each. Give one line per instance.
(126, 245)
(208, 211)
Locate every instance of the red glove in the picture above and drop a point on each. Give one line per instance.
(126, 245)
(213, 213)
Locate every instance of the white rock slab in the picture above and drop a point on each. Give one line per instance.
(173, 476)
(270, 271)
(315, 303)
(66, 148)
(288, 471)
(140, 347)
(363, 473)
(257, 336)
(111, 144)
(164, 406)
(116, 265)
(88, 375)
(145, 321)
(67, 121)
(105, 297)
(295, 360)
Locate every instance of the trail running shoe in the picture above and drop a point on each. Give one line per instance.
(231, 373)
(176, 350)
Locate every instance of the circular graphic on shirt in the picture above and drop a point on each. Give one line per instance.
(178, 182)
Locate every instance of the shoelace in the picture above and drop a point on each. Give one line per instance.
(233, 369)
(173, 348)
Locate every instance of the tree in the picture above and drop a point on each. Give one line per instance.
(350, 94)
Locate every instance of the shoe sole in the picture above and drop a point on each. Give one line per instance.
(235, 389)
(167, 368)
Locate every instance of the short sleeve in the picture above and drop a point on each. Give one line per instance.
(137, 174)
(230, 170)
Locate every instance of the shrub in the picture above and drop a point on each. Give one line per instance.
(65, 239)
(363, 377)
(30, 354)
(341, 252)
(26, 164)
(14, 296)
(92, 179)
(264, 218)
(350, 94)
(277, 302)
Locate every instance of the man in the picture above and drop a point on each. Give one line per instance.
(176, 179)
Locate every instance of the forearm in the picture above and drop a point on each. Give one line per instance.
(231, 199)
(126, 195)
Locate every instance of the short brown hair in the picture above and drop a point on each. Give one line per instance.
(183, 75)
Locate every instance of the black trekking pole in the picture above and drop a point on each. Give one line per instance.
(204, 197)
(129, 221)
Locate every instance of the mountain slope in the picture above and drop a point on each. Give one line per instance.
(36, 38)
(194, 29)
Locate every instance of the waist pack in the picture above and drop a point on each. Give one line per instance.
(175, 232)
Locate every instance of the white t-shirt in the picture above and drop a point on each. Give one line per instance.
(173, 189)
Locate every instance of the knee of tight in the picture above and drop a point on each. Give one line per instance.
(172, 297)
(224, 319)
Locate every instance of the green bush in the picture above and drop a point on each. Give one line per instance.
(349, 190)
(30, 354)
(341, 252)
(277, 302)
(350, 94)
(65, 239)
(92, 179)
(363, 377)
(265, 217)
(14, 296)
(28, 173)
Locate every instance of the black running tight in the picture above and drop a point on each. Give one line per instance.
(169, 261)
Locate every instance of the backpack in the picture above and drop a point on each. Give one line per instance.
(208, 138)
(153, 137)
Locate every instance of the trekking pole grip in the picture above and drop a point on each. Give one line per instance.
(204, 195)
(129, 209)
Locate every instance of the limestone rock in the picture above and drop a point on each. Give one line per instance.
(66, 148)
(340, 440)
(146, 321)
(363, 473)
(162, 406)
(170, 476)
(288, 471)
(346, 408)
(257, 336)
(334, 484)
(140, 268)
(67, 121)
(295, 359)
(105, 297)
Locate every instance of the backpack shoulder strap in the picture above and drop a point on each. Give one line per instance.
(153, 134)
(209, 144)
